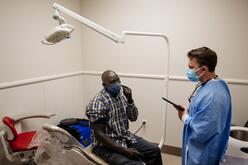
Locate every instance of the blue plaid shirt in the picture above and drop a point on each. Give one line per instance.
(115, 112)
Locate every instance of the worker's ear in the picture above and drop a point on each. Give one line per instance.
(204, 68)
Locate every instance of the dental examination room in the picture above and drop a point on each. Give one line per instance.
(134, 82)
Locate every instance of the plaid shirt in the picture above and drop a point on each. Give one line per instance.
(115, 113)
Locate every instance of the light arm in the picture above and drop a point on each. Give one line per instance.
(88, 23)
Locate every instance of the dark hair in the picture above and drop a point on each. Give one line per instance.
(205, 57)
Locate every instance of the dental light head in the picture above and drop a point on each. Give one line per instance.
(58, 33)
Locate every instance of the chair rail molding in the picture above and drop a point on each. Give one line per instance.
(98, 73)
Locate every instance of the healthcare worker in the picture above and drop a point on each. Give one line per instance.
(207, 120)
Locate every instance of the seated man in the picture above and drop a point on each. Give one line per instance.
(109, 112)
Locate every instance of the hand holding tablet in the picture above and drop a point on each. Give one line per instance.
(178, 107)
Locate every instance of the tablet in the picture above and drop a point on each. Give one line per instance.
(174, 104)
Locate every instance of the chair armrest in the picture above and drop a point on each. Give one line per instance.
(18, 118)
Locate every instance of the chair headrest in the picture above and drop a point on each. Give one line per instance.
(11, 124)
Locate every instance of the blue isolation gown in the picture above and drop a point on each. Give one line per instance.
(206, 130)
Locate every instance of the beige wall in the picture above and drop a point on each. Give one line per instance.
(23, 24)
(220, 25)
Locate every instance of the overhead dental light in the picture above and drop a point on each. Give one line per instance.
(58, 33)
(64, 30)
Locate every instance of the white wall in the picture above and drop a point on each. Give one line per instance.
(220, 25)
(22, 56)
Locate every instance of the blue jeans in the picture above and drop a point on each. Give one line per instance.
(151, 152)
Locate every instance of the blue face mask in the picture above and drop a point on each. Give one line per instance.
(191, 75)
(113, 89)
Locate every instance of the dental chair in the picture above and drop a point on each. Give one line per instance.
(16, 145)
(62, 148)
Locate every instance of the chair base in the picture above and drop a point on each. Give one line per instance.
(23, 157)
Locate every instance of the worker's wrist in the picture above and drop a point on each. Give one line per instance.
(184, 117)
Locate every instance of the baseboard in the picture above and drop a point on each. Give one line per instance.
(171, 150)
